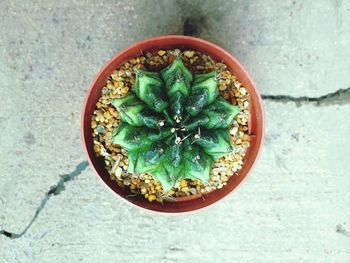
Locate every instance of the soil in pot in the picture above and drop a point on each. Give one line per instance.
(106, 119)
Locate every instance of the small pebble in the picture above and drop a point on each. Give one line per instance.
(243, 91)
(100, 129)
(151, 198)
(185, 189)
(143, 190)
(234, 130)
(222, 87)
(193, 191)
(127, 181)
(183, 183)
(224, 178)
(97, 148)
(189, 54)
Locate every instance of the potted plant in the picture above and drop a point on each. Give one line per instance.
(172, 124)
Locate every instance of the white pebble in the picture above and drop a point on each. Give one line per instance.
(118, 172)
(234, 130)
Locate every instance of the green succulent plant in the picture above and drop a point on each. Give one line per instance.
(174, 125)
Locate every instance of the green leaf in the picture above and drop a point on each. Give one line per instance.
(200, 78)
(174, 154)
(177, 93)
(152, 121)
(219, 114)
(177, 82)
(137, 138)
(198, 121)
(197, 164)
(144, 161)
(176, 106)
(149, 88)
(132, 158)
(204, 91)
(176, 68)
(163, 177)
(129, 107)
(172, 161)
(136, 113)
(215, 143)
(150, 161)
(155, 154)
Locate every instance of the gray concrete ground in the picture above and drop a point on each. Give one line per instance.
(293, 208)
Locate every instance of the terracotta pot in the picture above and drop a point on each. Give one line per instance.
(256, 122)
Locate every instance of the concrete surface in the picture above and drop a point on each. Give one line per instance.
(293, 208)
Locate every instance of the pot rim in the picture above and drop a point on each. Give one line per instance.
(195, 42)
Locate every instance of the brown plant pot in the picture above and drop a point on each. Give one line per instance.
(255, 124)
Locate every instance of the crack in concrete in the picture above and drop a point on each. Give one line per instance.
(341, 230)
(54, 190)
(339, 97)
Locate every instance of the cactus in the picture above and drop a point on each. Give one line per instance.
(174, 125)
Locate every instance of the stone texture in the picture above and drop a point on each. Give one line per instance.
(293, 207)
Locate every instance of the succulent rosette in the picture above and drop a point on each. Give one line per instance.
(174, 125)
